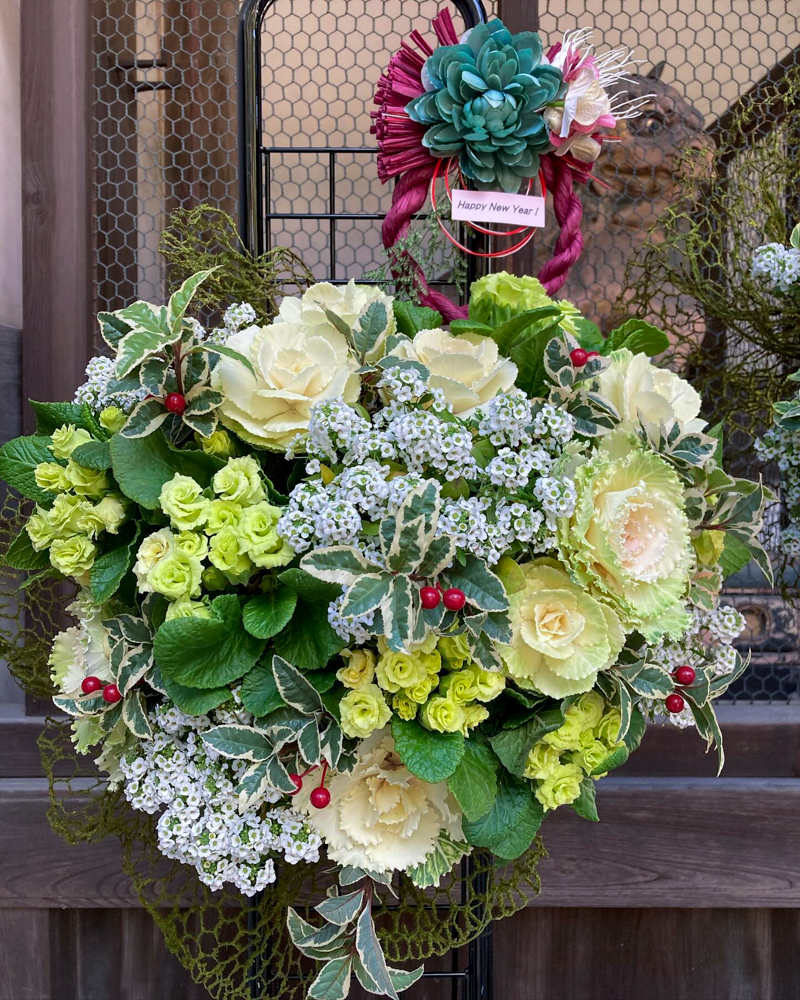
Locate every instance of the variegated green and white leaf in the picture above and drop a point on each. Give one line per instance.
(153, 374)
(239, 742)
(144, 316)
(227, 352)
(398, 615)
(445, 854)
(340, 564)
(308, 744)
(331, 744)
(181, 299)
(558, 363)
(304, 934)
(438, 557)
(371, 955)
(202, 399)
(293, 687)
(134, 712)
(145, 418)
(366, 594)
(135, 663)
(482, 588)
(422, 500)
(136, 347)
(110, 718)
(279, 776)
(497, 626)
(134, 630)
(406, 550)
(341, 910)
(112, 328)
(333, 981)
(483, 652)
(203, 424)
(253, 785)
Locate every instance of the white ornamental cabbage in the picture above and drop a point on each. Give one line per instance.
(468, 369)
(349, 302)
(381, 816)
(295, 367)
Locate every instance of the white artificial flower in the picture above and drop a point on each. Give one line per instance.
(295, 367)
(381, 816)
(638, 389)
(468, 369)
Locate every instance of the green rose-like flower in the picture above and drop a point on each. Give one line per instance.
(186, 608)
(87, 482)
(66, 439)
(454, 650)
(561, 636)
(474, 715)
(112, 511)
(112, 418)
(497, 298)
(260, 538)
(218, 443)
(73, 556)
(628, 541)
(183, 502)
(364, 710)
(459, 686)
(152, 550)
(52, 476)
(443, 715)
(420, 692)
(488, 685)
(590, 756)
(222, 514)
(227, 554)
(176, 576)
(563, 785)
(66, 513)
(404, 706)
(359, 668)
(484, 104)
(401, 670)
(240, 481)
(191, 544)
(40, 529)
(568, 735)
(543, 759)
(608, 728)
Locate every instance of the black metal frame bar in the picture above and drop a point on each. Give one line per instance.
(255, 225)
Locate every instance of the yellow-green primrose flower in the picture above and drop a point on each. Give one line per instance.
(364, 710)
(89, 522)
(591, 706)
(218, 443)
(66, 439)
(400, 670)
(52, 476)
(227, 555)
(222, 514)
(240, 481)
(112, 419)
(65, 514)
(708, 546)
(454, 651)
(443, 715)
(562, 786)
(213, 579)
(73, 556)
(183, 502)
(590, 755)
(151, 551)
(191, 544)
(186, 608)
(260, 537)
(568, 735)
(608, 727)
(87, 482)
(176, 576)
(543, 759)
(404, 706)
(40, 529)
(420, 692)
(112, 512)
(474, 715)
(488, 684)
(358, 669)
(460, 686)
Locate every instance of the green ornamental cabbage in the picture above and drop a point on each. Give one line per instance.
(485, 105)
(628, 541)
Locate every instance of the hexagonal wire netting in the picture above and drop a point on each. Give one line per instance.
(165, 112)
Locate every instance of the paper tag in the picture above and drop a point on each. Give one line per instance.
(497, 206)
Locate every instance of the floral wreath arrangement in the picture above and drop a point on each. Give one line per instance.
(778, 268)
(497, 111)
(352, 585)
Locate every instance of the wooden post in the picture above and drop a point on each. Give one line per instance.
(56, 197)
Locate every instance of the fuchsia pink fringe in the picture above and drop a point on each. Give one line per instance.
(402, 154)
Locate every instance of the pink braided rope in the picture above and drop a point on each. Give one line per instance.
(569, 212)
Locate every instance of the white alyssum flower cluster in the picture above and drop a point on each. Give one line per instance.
(235, 318)
(778, 265)
(782, 446)
(201, 824)
(94, 391)
(706, 644)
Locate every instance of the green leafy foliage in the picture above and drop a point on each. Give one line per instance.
(584, 805)
(94, 455)
(22, 555)
(18, 458)
(509, 827)
(264, 616)
(431, 756)
(638, 337)
(412, 318)
(110, 568)
(141, 466)
(512, 746)
(474, 781)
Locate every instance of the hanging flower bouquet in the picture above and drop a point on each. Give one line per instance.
(353, 585)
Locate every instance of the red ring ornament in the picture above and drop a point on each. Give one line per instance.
(480, 229)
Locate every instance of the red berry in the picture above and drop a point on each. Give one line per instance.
(674, 703)
(579, 357)
(111, 694)
(91, 684)
(430, 597)
(685, 675)
(175, 402)
(297, 781)
(454, 599)
(320, 797)
(592, 354)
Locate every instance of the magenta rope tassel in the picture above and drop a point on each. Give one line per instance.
(568, 212)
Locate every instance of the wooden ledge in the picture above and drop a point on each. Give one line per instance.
(662, 842)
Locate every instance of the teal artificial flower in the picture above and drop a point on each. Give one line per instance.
(484, 105)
